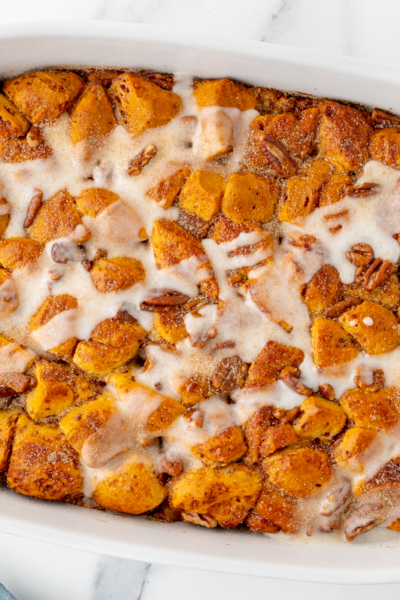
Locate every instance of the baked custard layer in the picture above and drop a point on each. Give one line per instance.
(199, 301)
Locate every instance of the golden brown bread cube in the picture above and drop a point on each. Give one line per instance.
(385, 146)
(93, 201)
(8, 422)
(277, 437)
(194, 389)
(112, 344)
(19, 252)
(168, 409)
(12, 122)
(132, 488)
(222, 449)
(387, 294)
(250, 197)
(302, 192)
(270, 362)
(344, 135)
(354, 443)
(226, 493)
(223, 92)
(58, 388)
(274, 512)
(167, 190)
(373, 326)
(52, 306)
(295, 131)
(92, 116)
(202, 193)
(17, 150)
(116, 274)
(43, 464)
(169, 325)
(319, 418)
(141, 104)
(298, 471)
(332, 345)
(95, 429)
(256, 429)
(57, 217)
(322, 290)
(377, 411)
(333, 190)
(43, 95)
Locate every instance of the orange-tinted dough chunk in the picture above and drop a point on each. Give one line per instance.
(43, 464)
(250, 197)
(12, 122)
(274, 512)
(373, 326)
(270, 362)
(373, 411)
(202, 193)
(43, 95)
(92, 116)
(116, 274)
(141, 104)
(319, 418)
(93, 201)
(385, 146)
(19, 252)
(228, 446)
(332, 345)
(167, 190)
(58, 217)
(8, 421)
(323, 289)
(17, 150)
(223, 92)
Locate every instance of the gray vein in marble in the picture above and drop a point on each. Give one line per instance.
(119, 578)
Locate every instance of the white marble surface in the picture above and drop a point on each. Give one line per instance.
(360, 28)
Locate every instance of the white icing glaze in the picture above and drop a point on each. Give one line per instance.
(15, 359)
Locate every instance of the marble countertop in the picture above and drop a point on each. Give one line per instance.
(359, 28)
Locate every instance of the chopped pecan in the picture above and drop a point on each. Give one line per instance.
(64, 252)
(382, 118)
(194, 224)
(17, 382)
(340, 307)
(164, 80)
(195, 304)
(304, 241)
(226, 344)
(34, 137)
(378, 381)
(196, 519)
(361, 191)
(277, 156)
(360, 255)
(33, 207)
(336, 229)
(229, 374)
(123, 315)
(164, 301)
(87, 264)
(377, 273)
(170, 467)
(287, 416)
(327, 391)
(99, 253)
(235, 278)
(291, 376)
(141, 159)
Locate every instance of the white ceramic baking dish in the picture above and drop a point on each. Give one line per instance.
(36, 45)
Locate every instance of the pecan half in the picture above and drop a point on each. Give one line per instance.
(382, 118)
(340, 307)
(226, 344)
(377, 273)
(291, 376)
(123, 315)
(327, 391)
(141, 159)
(361, 191)
(34, 137)
(196, 519)
(229, 374)
(17, 382)
(164, 301)
(277, 156)
(360, 255)
(62, 253)
(170, 467)
(194, 224)
(378, 381)
(164, 80)
(33, 207)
